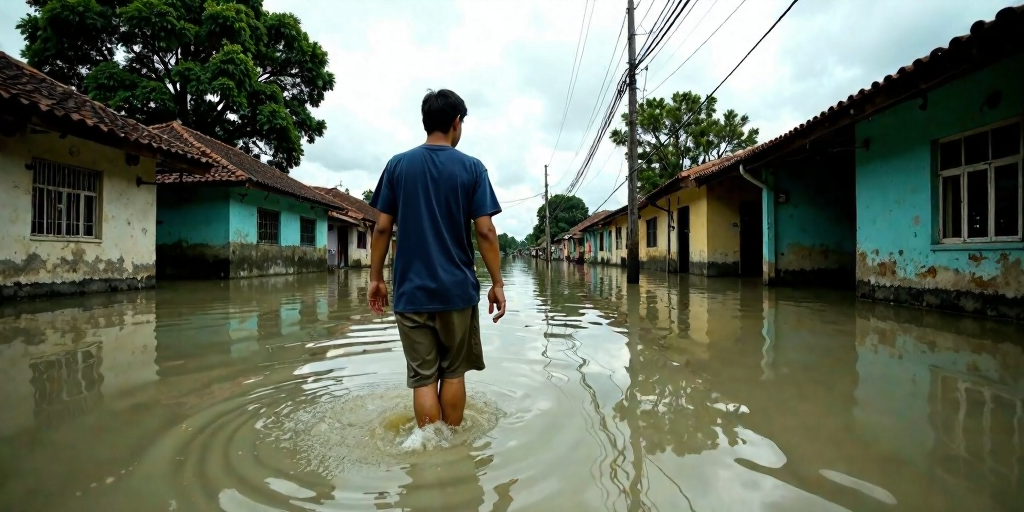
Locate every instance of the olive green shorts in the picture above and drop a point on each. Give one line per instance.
(440, 345)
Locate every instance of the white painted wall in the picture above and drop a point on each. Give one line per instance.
(332, 244)
(358, 255)
(128, 215)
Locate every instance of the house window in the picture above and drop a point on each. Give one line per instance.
(600, 241)
(65, 201)
(652, 232)
(360, 239)
(618, 237)
(307, 232)
(980, 184)
(268, 226)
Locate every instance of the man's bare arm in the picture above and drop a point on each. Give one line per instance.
(380, 244)
(487, 241)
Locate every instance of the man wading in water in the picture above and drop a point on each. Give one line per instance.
(433, 191)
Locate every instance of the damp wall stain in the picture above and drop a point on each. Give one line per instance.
(899, 257)
(121, 257)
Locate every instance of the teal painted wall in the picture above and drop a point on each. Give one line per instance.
(811, 236)
(897, 199)
(243, 217)
(192, 215)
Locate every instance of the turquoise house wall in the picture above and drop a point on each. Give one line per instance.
(192, 216)
(898, 256)
(192, 232)
(811, 237)
(249, 258)
(243, 217)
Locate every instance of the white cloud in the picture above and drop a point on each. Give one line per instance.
(511, 61)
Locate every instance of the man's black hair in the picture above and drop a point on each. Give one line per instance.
(440, 108)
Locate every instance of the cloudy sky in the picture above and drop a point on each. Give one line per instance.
(512, 59)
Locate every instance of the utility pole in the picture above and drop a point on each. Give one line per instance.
(547, 218)
(633, 227)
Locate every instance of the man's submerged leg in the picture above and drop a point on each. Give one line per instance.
(453, 400)
(426, 404)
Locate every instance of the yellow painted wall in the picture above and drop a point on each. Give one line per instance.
(126, 245)
(723, 231)
(655, 257)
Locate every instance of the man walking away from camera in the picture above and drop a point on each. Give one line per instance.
(433, 191)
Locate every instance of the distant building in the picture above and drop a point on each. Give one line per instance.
(244, 219)
(349, 231)
(76, 185)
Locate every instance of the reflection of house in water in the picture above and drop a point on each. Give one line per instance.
(59, 357)
(979, 428)
(67, 384)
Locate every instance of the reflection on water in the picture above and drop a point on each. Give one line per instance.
(680, 393)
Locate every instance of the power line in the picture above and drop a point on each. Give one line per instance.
(701, 20)
(720, 25)
(655, 42)
(576, 64)
(657, 52)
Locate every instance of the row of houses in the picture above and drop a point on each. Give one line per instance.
(93, 201)
(909, 190)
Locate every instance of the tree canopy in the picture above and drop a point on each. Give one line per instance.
(667, 147)
(566, 212)
(367, 195)
(228, 69)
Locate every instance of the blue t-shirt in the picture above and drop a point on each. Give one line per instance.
(434, 193)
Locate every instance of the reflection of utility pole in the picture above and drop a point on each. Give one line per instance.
(634, 495)
(633, 226)
(547, 218)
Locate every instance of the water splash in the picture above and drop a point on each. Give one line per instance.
(372, 428)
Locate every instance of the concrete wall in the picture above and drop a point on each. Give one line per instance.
(359, 257)
(724, 224)
(811, 237)
(211, 232)
(121, 256)
(898, 255)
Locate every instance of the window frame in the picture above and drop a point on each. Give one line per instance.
(302, 235)
(618, 238)
(652, 242)
(361, 239)
(38, 168)
(277, 230)
(989, 166)
(600, 241)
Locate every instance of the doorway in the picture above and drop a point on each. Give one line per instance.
(343, 246)
(683, 238)
(751, 243)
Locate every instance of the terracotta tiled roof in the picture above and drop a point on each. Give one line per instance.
(351, 203)
(234, 165)
(25, 89)
(593, 219)
(1000, 35)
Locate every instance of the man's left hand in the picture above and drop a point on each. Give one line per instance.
(378, 296)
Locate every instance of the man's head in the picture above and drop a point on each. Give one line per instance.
(443, 113)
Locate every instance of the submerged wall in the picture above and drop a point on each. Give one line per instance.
(814, 231)
(211, 232)
(899, 258)
(119, 257)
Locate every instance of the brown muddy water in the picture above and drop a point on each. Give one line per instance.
(681, 393)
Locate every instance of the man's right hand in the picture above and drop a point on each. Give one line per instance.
(496, 300)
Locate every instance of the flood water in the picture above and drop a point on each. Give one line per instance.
(681, 393)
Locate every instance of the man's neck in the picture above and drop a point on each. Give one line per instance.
(438, 139)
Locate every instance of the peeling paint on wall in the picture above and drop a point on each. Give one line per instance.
(122, 257)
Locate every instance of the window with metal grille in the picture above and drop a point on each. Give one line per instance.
(980, 184)
(268, 226)
(65, 201)
(652, 232)
(360, 239)
(307, 232)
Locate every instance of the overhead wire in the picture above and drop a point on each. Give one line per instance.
(576, 65)
(720, 25)
(657, 52)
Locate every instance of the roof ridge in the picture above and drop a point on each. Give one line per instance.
(185, 133)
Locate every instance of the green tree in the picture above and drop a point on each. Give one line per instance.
(367, 195)
(226, 68)
(667, 146)
(566, 212)
(507, 244)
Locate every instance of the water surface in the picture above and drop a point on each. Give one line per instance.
(680, 393)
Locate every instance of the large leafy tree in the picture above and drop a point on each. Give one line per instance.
(367, 195)
(677, 133)
(226, 68)
(566, 212)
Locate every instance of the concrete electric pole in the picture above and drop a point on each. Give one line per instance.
(547, 218)
(633, 227)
